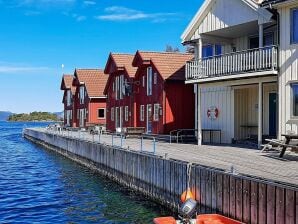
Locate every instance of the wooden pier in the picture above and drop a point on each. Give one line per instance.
(251, 199)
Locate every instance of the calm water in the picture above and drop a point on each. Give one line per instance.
(38, 186)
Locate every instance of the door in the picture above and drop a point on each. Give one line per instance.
(117, 118)
(272, 114)
(149, 118)
(82, 117)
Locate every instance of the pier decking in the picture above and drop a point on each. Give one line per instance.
(249, 162)
(263, 191)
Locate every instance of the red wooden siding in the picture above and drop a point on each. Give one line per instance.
(93, 107)
(113, 103)
(142, 99)
(175, 98)
(180, 109)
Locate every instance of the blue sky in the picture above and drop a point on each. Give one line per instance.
(38, 36)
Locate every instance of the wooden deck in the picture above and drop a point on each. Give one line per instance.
(245, 161)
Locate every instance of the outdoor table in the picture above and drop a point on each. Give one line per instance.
(288, 138)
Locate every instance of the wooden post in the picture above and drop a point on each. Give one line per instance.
(260, 115)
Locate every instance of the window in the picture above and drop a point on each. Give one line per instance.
(218, 50)
(68, 97)
(155, 78)
(207, 51)
(101, 113)
(143, 83)
(82, 94)
(112, 113)
(142, 111)
(294, 26)
(113, 88)
(149, 81)
(295, 99)
(126, 113)
(122, 87)
(156, 112)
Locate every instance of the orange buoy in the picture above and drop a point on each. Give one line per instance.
(186, 195)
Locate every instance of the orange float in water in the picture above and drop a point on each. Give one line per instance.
(164, 220)
(186, 195)
(215, 219)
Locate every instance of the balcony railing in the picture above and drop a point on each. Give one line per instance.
(253, 60)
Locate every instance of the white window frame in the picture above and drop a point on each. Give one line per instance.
(156, 112)
(82, 94)
(126, 113)
(142, 112)
(149, 81)
(292, 26)
(104, 117)
(121, 89)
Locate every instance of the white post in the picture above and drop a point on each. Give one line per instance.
(199, 121)
(261, 38)
(260, 115)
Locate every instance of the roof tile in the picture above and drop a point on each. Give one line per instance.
(94, 80)
(171, 65)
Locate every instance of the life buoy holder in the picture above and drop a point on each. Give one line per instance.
(212, 113)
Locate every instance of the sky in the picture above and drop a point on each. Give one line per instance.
(37, 37)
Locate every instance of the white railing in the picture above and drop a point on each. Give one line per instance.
(252, 60)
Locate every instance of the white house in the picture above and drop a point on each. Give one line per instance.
(245, 72)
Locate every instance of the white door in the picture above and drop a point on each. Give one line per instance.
(149, 118)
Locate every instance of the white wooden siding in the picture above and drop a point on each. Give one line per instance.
(223, 99)
(288, 72)
(224, 14)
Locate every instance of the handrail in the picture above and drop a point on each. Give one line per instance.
(250, 60)
(178, 131)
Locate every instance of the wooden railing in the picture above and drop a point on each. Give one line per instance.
(252, 60)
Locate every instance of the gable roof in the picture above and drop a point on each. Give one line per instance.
(66, 83)
(170, 65)
(120, 62)
(93, 79)
(206, 8)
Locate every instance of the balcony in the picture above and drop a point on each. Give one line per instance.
(234, 65)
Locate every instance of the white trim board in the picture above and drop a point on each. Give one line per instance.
(262, 15)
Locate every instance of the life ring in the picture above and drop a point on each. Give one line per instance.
(212, 113)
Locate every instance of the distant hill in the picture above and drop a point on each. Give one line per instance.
(60, 115)
(34, 116)
(4, 115)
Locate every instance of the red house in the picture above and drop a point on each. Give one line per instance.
(119, 90)
(89, 100)
(69, 92)
(163, 101)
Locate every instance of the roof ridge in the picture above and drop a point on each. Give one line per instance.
(113, 53)
(88, 69)
(164, 52)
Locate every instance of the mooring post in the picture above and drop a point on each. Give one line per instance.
(141, 144)
(154, 146)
